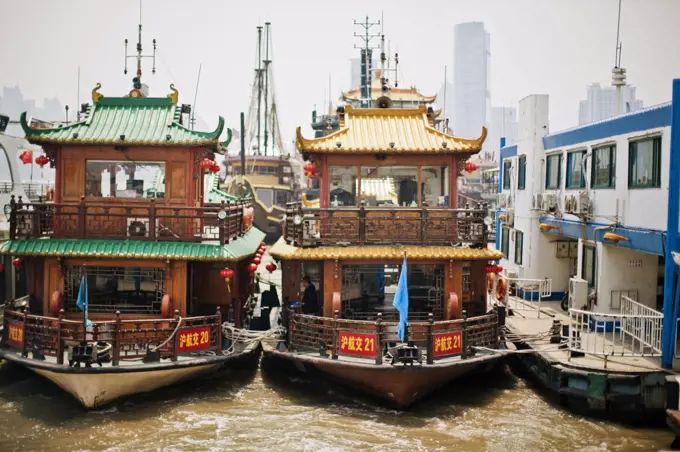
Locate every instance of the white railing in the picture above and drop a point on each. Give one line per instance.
(523, 294)
(634, 332)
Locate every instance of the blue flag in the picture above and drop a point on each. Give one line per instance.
(401, 301)
(82, 299)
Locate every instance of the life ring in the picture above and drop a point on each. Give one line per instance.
(50, 193)
(452, 307)
(489, 280)
(165, 306)
(137, 229)
(500, 289)
(56, 303)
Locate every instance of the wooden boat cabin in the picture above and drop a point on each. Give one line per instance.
(128, 217)
(388, 191)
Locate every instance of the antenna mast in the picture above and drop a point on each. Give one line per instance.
(259, 84)
(266, 84)
(137, 80)
(618, 73)
(193, 107)
(366, 58)
(78, 97)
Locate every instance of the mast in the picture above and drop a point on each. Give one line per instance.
(193, 109)
(137, 80)
(259, 84)
(243, 146)
(366, 56)
(266, 83)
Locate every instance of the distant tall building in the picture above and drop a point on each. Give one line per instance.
(503, 124)
(600, 103)
(355, 76)
(471, 71)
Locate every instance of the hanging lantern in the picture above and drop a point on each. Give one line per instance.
(215, 168)
(26, 157)
(257, 260)
(227, 274)
(310, 169)
(263, 245)
(470, 167)
(252, 268)
(41, 161)
(17, 263)
(224, 273)
(271, 267)
(487, 269)
(206, 164)
(498, 269)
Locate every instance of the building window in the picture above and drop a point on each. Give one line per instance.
(343, 186)
(644, 163)
(519, 247)
(522, 176)
(125, 179)
(505, 242)
(576, 176)
(435, 186)
(553, 171)
(589, 265)
(507, 169)
(603, 174)
(389, 186)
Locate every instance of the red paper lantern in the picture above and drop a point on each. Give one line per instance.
(215, 168)
(252, 268)
(17, 263)
(270, 267)
(257, 260)
(206, 164)
(224, 274)
(41, 161)
(26, 157)
(498, 269)
(263, 245)
(229, 273)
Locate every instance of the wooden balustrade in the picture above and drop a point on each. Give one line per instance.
(438, 339)
(120, 220)
(130, 339)
(382, 225)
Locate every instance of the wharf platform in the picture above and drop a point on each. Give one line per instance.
(631, 389)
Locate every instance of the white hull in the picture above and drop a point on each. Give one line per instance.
(97, 389)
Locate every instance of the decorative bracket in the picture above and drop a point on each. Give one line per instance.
(174, 95)
(96, 95)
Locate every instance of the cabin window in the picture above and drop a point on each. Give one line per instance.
(369, 289)
(576, 176)
(553, 171)
(265, 196)
(519, 247)
(522, 173)
(435, 186)
(505, 242)
(125, 179)
(389, 186)
(130, 290)
(507, 171)
(603, 174)
(589, 264)
(283, 197)
(343, 186)
(266, 170)
(644, 163)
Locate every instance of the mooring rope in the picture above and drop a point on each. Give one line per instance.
(157, 347)
(238, 335)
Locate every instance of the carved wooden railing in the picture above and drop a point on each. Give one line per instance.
(149, 221)
(381, 225)
(129, 339)
(364, 339)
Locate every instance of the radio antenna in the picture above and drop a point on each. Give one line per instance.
(137, 80)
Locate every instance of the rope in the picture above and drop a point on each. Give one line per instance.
(238, 335)
(179, 323)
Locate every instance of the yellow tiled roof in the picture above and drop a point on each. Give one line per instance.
(396, 94)
(282, 250)
(389, 131)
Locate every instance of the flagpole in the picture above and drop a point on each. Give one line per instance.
(84, 282)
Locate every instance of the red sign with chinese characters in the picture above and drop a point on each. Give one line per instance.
(359, 344)
(192, 339)
(15, 334)
(446, 344)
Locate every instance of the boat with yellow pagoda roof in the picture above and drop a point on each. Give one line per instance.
(126, 267)
(394, 303)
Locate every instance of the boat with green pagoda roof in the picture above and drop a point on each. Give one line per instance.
(130, 273)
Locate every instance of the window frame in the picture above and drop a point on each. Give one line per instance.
(612, 167)
(519, 250)
(548, 159)
(505, 241)
(656, 162)
(161, 165)
(568, 183)
(522, 173)
(593, 273)
(507, 178)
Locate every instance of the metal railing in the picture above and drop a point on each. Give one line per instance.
(437, 340)
(635, 331)
(130, 339)
(136, 221)
(383, 225)
(524, 294)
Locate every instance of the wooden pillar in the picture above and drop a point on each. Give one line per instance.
(324, 183)
(332, 282)
(291, 278)
(453, 183)
(454, 283)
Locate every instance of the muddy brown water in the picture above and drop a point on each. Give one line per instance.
(259, 411)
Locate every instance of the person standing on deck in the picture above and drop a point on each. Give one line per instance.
(310, 303)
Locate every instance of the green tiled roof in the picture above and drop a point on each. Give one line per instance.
(146, 121)
(136, 249)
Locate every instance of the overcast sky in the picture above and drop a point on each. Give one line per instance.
(537, 46)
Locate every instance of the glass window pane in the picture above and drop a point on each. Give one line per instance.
(343, 186)
(644, 166)
(521, 182)
(553, 171)
(575, 165)
(435, 186)
(507, 167)
(265, 196)
(604, 167)
(125, 179)
(389, 186)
